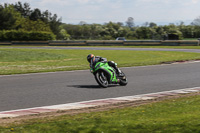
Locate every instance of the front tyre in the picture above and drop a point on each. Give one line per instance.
(101, 79)
(123, 80)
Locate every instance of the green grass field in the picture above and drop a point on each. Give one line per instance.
(180, 115)
(19, 61)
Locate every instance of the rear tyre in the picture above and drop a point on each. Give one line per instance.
(101, 79)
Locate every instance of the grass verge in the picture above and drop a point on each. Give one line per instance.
(164, 47)
(19, 61)
(172, 115)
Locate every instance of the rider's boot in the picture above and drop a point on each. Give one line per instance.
(114, 65)
(118, 71)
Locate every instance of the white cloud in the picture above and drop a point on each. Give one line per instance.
(83, 1)
(195, 1)
(56, 3)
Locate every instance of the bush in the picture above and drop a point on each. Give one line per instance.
(17, 35)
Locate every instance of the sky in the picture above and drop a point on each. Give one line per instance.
(103, 11)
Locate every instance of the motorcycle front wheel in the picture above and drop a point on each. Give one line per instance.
(101, 79)
(123, 80)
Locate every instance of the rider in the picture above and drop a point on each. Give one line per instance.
(94, 59)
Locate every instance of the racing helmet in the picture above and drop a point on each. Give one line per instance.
(89, 57)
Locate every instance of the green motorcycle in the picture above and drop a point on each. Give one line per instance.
(105, 75)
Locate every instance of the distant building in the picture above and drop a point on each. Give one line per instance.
(171, 37)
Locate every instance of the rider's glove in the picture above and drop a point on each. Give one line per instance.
(91, 70)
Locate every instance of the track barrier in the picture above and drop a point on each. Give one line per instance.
(105, 43)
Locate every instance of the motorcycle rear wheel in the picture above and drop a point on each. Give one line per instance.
(101, 79)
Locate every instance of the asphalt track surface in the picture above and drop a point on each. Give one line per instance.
(44, 89)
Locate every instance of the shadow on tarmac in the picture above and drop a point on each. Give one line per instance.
(86, 86)
(90, 86)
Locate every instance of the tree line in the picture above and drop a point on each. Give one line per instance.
(20, 17)
(111, 30)
(17, 18)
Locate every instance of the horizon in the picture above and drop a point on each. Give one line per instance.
(187, 22)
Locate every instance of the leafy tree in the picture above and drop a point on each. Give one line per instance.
(35, 14)
(143, 33)
(63, 35)
(196, 21)
(152, 24)
(173, 29)
(29, 25)
(95, 31)
(8, 17)
(23, 9)
(73, 30)
(159, 32)
(130, 22)
(54, 24)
